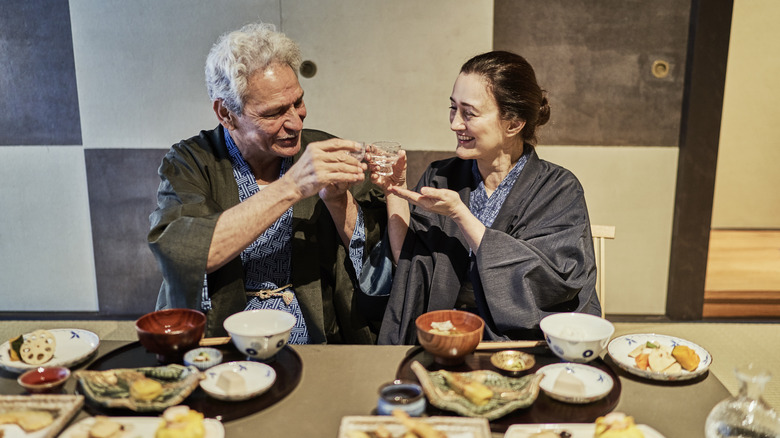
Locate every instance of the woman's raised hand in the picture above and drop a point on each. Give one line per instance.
(441, 201)
(397, 179)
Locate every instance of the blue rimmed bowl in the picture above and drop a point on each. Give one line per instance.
(203, 358)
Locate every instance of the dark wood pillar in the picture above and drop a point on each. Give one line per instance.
(708, 44)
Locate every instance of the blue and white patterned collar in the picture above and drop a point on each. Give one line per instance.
(241, 169)
(485, 207)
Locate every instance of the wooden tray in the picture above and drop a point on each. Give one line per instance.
(544, 409)
(287, 364)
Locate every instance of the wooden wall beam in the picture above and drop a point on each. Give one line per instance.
(708, 44)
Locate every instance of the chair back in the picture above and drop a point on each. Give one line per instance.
(600, 234)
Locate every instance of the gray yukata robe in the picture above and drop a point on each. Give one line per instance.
(536, 259)
(197, 185)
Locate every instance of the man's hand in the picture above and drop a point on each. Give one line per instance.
(326, 166)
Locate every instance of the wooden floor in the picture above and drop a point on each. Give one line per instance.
(743, 274)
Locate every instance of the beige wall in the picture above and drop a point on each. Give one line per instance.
(747, 184)
(631, 188)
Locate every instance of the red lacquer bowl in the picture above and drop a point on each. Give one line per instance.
(170, 333)
(450, 349)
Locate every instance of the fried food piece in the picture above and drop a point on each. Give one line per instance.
(419, 428)
(29, 421)
(181, 422)
(104, 427)
(687, 358)
(145, 389)
(15, 347)
(476, 392)
(617, 425)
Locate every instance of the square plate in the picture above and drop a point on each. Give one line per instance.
(138, 427)
(454, 427)
(577, 430)
(63, 407)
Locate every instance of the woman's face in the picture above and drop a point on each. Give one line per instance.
(475, 119)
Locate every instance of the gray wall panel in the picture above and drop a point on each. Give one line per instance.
(122, 184)
(595, 58)
(38, 99)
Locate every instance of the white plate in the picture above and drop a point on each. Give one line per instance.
(619, 348)
(138, 427)
(577, 430)
(258, 377)
(63, 406)
(597, 382)
(454, 427)
(73, 346)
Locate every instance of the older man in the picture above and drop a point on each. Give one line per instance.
(259, 212)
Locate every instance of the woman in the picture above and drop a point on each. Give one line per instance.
(496, 230)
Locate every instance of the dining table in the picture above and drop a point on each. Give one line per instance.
(337, 381)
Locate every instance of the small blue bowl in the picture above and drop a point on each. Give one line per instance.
(403, 395)
(203, 358)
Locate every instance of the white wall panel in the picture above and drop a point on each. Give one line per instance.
(386, 69)
(633, 189)
(45, 232)
(140, 63)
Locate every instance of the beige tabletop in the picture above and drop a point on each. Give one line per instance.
(342, 380)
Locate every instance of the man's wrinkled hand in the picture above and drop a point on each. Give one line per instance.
(327, 165)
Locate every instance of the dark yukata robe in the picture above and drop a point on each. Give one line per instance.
(197, 185)
(536, 259)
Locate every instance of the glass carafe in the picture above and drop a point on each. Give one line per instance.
(747, 414)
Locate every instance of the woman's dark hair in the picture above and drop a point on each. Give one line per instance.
(512, 81)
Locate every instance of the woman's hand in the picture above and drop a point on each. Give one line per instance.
(441, 201)
(446, 203)
(397, 179)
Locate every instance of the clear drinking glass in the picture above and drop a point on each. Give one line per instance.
(360, 153)
(747, 414)
(384, 154)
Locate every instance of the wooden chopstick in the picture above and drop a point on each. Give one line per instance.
(507, 345)
(213, 342)
(485, 345)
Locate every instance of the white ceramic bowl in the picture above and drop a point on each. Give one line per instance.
(576, 337)
(260, 334)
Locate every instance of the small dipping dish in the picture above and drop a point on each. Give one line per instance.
(203, 358)
(403, 395)
(512, 362)
(43, 380)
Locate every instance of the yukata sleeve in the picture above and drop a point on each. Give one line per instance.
(544, 264)
(182, 226)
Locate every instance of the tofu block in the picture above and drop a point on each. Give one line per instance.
(568, 384)
(231, 382)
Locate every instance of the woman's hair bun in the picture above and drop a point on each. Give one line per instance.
(544, 111)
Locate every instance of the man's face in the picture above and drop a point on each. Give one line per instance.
(273, 115)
